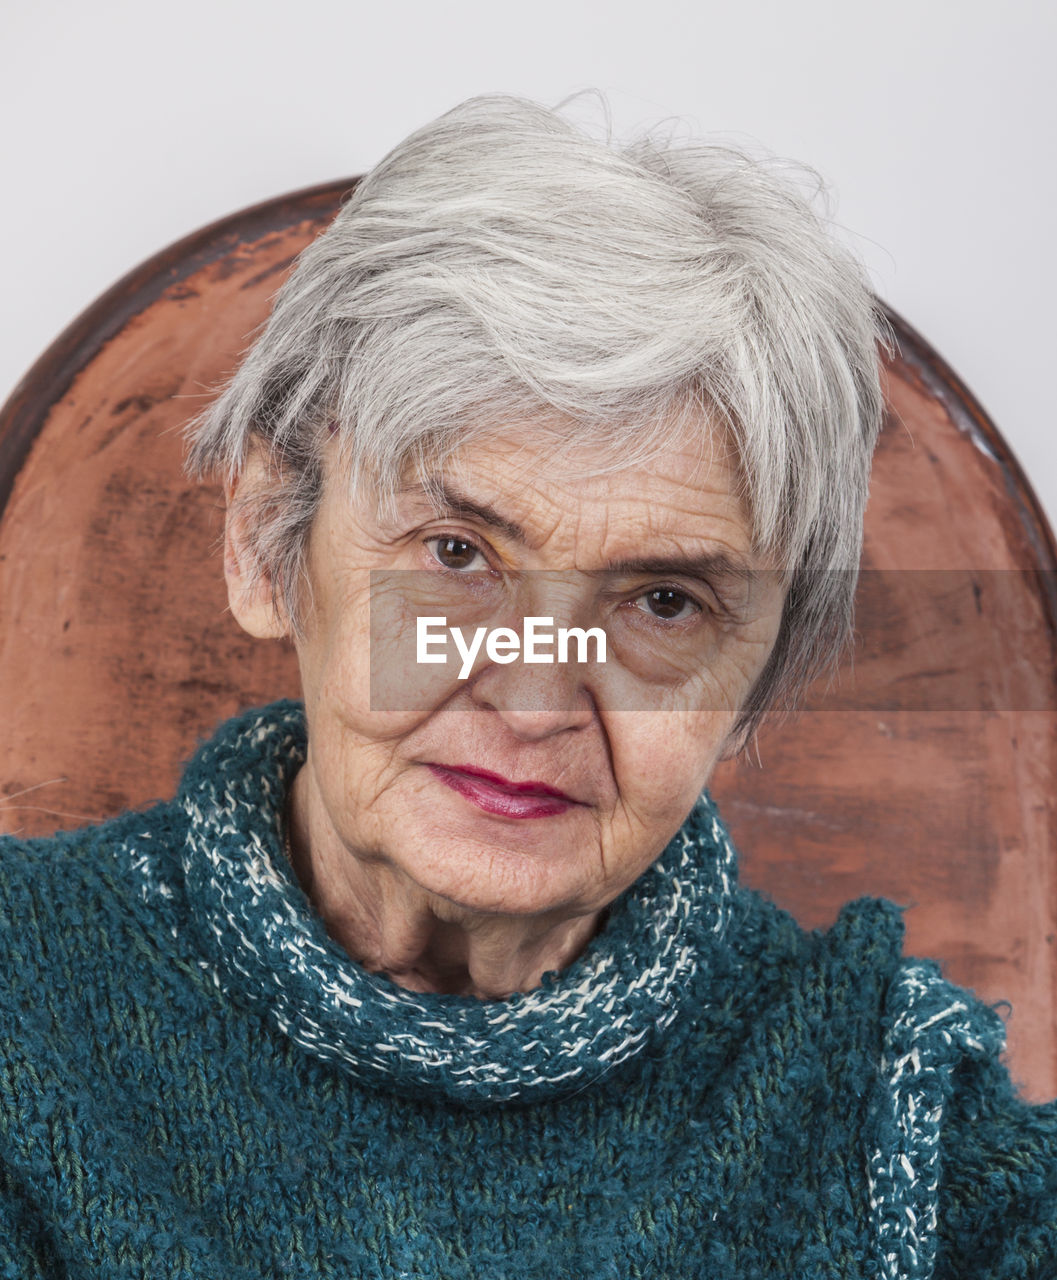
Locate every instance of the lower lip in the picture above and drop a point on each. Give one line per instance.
(494, 800)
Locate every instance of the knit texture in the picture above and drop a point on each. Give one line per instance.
(195, 1081)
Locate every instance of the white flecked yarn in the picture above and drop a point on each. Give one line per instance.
(932, 1030)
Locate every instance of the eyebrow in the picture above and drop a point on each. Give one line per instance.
(707, 566)
(458, 504)
(717, 564)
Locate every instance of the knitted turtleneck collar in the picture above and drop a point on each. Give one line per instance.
(266, 944)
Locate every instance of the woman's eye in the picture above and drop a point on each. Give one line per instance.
(457, 554)
(668, 604)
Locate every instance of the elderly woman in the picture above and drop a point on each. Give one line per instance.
(552, 460)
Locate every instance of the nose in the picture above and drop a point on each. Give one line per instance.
(540, 696)
(534, 701)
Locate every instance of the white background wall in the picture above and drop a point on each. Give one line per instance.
(125, 124)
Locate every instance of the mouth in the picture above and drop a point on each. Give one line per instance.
(501, 797)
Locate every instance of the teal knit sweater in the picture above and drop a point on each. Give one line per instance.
(195, 1081)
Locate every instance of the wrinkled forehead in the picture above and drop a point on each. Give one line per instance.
(579, 503)
(579, 495)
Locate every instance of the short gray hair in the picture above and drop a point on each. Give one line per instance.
(499, 263)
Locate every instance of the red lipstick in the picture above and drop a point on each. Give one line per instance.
(499, 796)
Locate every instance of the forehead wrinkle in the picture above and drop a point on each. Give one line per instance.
(692, 494)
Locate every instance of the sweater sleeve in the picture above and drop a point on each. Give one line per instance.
(963, 1173)
(998, 1187)
(22, 1252)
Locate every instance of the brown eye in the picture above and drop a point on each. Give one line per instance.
(667, 604)
(456, 553)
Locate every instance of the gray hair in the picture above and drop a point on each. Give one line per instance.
(499, 263)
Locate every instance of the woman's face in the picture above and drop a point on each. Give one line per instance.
(530, 788)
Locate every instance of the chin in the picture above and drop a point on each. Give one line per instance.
(521, 875)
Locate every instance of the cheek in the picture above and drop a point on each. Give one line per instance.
(663, 759)
(362, 685)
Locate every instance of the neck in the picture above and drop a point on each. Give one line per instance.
(391, 925)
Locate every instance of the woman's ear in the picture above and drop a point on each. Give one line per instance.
(251, 593)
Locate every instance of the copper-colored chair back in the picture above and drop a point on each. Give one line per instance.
(927, 775)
